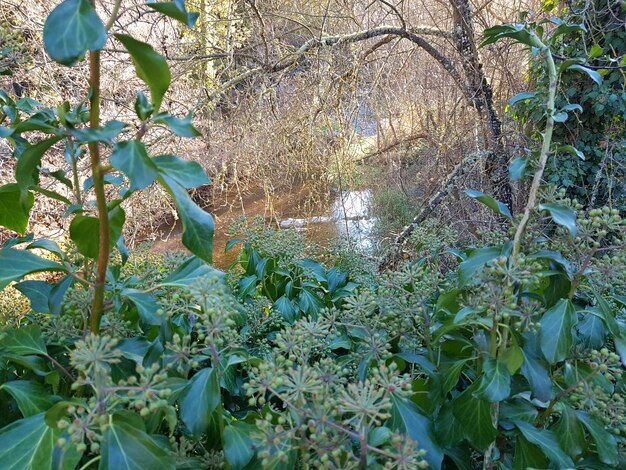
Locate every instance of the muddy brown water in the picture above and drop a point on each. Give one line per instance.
(298, 203)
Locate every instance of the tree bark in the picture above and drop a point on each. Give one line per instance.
(481, 99)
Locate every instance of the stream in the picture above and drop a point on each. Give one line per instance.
(344, 214)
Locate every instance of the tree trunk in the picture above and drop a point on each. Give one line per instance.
(481, 99)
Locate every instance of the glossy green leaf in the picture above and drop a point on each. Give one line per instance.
(474, 414)
(28, 444)
(285, 307)
(84, 232)
(545, 440)
(147, 305)
(517, 168)
(535, 370)
(475, 262)
(72, 29)
(238, 445)
(105, 134)
(522, 97)
(595, 51)
(556, 331)
(561, 215)
(200, 400)
(606, 313)
(406, 417)
(517, 32)
(186, 173)
(27, 168)
(198, 225)
(569, 432)
(189, 272)
(38, 293)
(51, 194)
(572, 150)
(14, 208)
(309, 302)
(127, 446)
(595, 76)
(31, 397)
(143, 108)
(176, 10)
(496, 206)
(513, 358)
(606, 445)
(132, 158)
(23, 341)
(150, 66)
(495, 383)
(517, 409)
(527, 455)
(180, 127)
(591, 329)
(15, 264)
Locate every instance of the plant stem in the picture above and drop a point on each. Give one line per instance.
(98, 186)
(545, 148)
(60, 367)
(114, 14)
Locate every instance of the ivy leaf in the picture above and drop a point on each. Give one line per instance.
(595, 76)
(476, 262)
(105, 134)
(180, 127)
(187, 173)
(521, 97)
(84, 232)
(496, 206)
(569, 432)
(535, 370)
(572, 150)
(518, 32)
(406, 418)
(27, 168)
(14, 208)
(127, 446)
(31, 397)
(15, 264)
(606, 445)
(72, 29)
(285, 307)
(198, 225)
(176, 10)
(201, 399)
(513, 358)
(188, 272)
(146, 304)
(595, 51)
(28, 444)
(238, 448)
(150, 66)
(132, 158)
(517, 168)
(528, 455)
(45, 297)
(561, 215)
(556, 331)
(37, 293)
(546, 441)
(143, 107)
(474, 415)
(23, 341)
